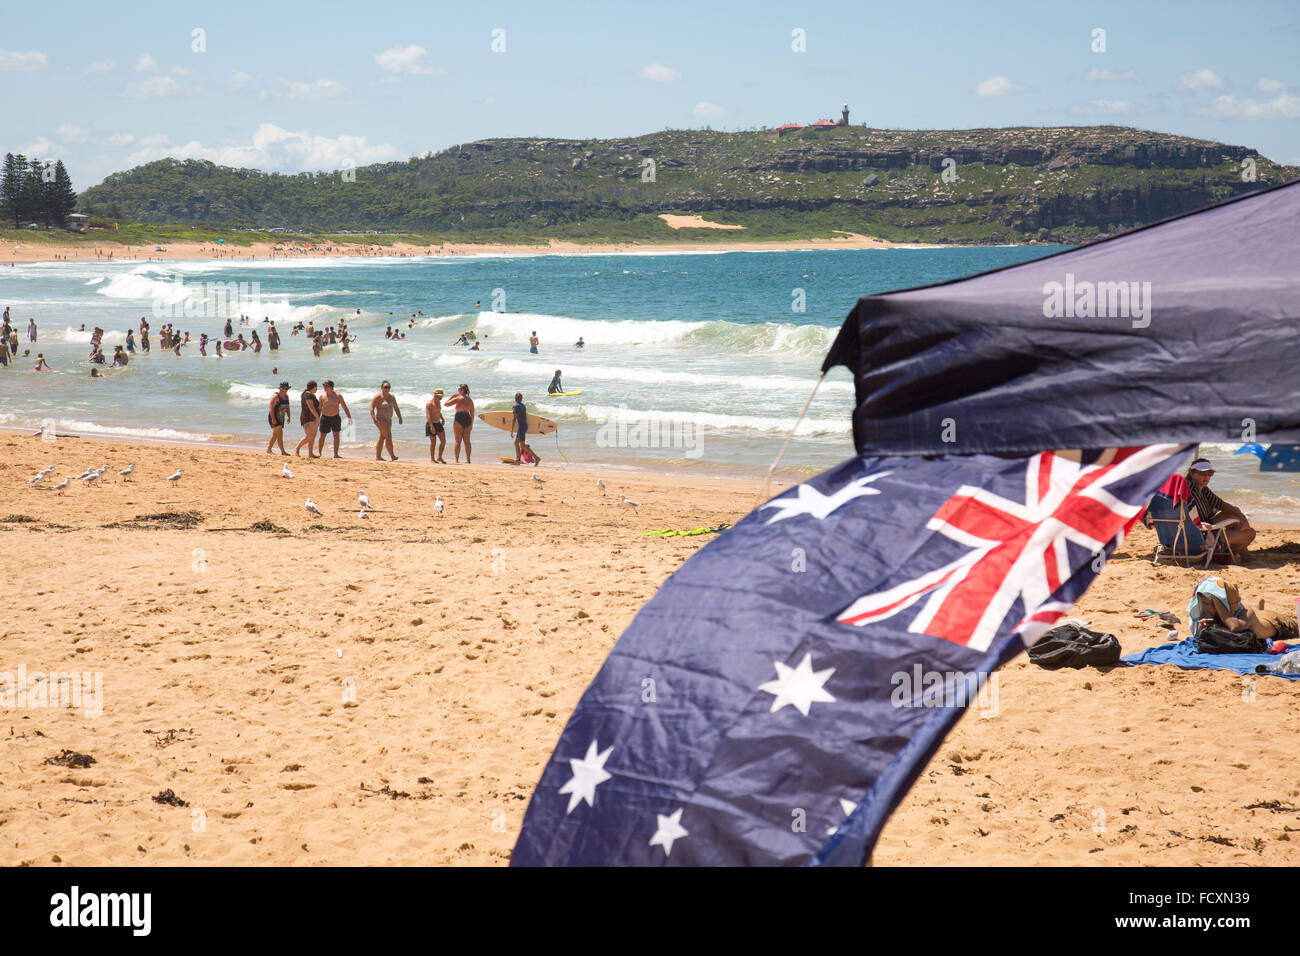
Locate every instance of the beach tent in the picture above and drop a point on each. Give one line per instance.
(776, 698)
(1186, 331)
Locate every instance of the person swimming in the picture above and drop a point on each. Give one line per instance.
(579, 344)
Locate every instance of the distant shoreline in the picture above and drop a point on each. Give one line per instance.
(85, 251)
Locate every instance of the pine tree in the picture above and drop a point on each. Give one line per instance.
(31, 201)
(64, 197)
(11, 187)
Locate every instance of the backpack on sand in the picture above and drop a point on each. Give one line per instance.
(1214, 639)
(1070, 645)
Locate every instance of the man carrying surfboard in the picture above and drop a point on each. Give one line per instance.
(519, 427)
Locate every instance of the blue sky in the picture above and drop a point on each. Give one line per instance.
(293, 86)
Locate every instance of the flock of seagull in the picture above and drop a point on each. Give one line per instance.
(91, 475)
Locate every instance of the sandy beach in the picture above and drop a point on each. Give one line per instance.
(16, 251)
(348, 691)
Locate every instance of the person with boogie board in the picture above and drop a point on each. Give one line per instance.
(41, 364)
(555, 385)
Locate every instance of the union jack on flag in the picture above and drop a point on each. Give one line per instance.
(748, 714)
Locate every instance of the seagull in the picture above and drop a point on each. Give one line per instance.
(286, 472)
(311, 506)
(62, 484)
(93, 476)
(84, 475)
(175, 477)
(127, 471)
(362, 513)
(538, 480)
(629, 502)
(437, 505)
(37, 478)
(600, 483)
(364, 501)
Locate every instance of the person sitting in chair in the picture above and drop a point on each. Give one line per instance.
(1213, 509)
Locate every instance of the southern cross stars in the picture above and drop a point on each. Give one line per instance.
(588, 774)
(799, 687)
(670, 829)
(809, 501)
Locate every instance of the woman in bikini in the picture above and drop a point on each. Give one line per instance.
(463, 423)
(277, 417)
(435, 427)
(309, 418)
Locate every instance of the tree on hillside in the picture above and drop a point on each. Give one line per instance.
(31, 201)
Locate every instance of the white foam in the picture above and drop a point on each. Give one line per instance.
(602, 414)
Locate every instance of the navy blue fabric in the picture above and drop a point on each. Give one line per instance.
(1178, 541)
(678, 718)
(1184, 655)
(975, 365)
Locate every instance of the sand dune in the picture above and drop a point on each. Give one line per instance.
(339, 690)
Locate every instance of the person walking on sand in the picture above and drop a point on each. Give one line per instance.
(519, 426)
(278, 417)
(382, 408)
(463, 422)
(532, 342)
(330, 422)
(435, 427)
(309, 419)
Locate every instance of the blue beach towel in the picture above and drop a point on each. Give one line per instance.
(1184, 655)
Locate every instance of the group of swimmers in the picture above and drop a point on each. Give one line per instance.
(321, 415)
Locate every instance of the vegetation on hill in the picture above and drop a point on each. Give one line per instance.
(989, 185)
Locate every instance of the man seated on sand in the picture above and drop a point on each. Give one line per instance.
(1212, 509)
(1217, 601)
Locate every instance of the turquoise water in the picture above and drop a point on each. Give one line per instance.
(695, 362)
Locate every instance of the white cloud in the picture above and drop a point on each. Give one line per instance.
(279, 150)
(1267, 85)
(408, 59)
(1098, 75)
(146, 64)
(180, 71)
(706, 110)
(70, 133)
(102, 66)
(1282, 106)
(154, 139)
(121, 139)
(40, 148)
(322, 89)
(1110, 107)
(21, 61)
(239, 80)
(1203, 80)
(997, 85)
(152, 88)
(658, 73)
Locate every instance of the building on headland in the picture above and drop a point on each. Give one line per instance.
(77, 222)
(818, 124)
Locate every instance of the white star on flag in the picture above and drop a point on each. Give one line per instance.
(588, 774)
(670, 829)
(809, 501)
(799, 687)
(848, 806)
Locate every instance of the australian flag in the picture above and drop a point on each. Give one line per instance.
(777, 697)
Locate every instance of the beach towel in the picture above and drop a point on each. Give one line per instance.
(1184, 655)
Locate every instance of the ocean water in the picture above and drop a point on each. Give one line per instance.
(694, 362)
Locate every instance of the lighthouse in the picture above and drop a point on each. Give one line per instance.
(844, 115)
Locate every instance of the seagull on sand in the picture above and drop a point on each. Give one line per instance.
(311, 506)
(362, 513)
(286, 472)
(126, 472)
(364, 501)
(600, 483)
(84, 475)
(40, 476)
(629, 502)
(175, 477)
(437, 505)
(62, 484)
(538, 480)
(92, 477)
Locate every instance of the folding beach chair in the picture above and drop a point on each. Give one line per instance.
(1180, 538)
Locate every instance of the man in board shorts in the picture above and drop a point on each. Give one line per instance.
(519, 426)
(435, 427)
(330, 422)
